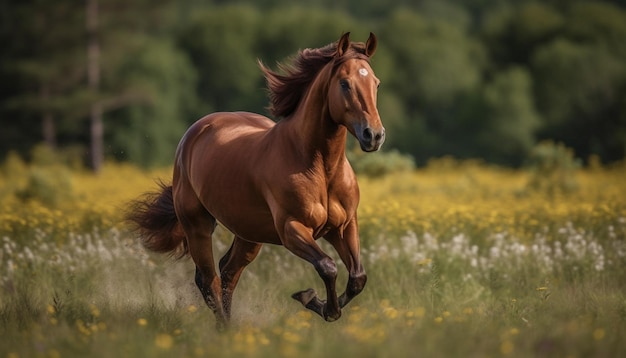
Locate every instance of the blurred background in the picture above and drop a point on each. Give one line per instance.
(487, 79)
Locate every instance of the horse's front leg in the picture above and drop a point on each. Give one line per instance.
(298, 239)
(348, 247)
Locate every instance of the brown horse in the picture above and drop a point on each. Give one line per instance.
(287, 183)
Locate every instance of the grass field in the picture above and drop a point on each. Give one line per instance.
(463, 260)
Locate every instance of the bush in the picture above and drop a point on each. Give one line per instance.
(378, 164)
(552, 168)
(50, 186)
(45, 180)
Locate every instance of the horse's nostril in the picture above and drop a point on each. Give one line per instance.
(378, 136)
(367, 134)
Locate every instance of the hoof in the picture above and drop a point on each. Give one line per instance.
(332, 318)
(305, 296)
(221, 326)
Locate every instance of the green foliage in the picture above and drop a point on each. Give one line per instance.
(11, 170)
(50, 186)
(553, 169)
(228, 76)
(575, 78)
(295, 28)
(575, 53)
(512, 32)
(580, 89)
(378, 164)
(444, 63)
(598, 22)
(513, 118)
(47, 180)
(220, 44)
(148, 133)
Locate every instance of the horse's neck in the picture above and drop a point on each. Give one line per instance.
(316, 134)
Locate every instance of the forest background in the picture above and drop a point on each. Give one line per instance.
(484, 79)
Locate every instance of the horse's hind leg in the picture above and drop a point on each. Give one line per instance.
(240, 254)
(198, 226)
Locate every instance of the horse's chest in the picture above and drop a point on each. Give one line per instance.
(336, 214)
(319, 205)
(326, 218)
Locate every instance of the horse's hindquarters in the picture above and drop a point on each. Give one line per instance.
(219, 157)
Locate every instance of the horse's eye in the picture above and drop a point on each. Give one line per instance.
(344, 85)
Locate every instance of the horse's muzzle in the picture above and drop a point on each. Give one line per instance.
(370, 139)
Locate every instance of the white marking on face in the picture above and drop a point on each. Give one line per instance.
(363, 72)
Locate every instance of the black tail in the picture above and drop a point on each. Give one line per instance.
(153, 218)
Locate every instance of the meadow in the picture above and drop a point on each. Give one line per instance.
(463, 260)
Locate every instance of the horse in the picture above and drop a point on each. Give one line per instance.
(285, 183)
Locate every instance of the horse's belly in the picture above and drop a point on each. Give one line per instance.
(230, 194)
(257, 231)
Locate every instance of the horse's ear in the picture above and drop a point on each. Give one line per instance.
(343, 44)
(370, 45)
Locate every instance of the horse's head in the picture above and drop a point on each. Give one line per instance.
(352, 93)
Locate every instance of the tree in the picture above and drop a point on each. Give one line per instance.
(220, 42)
(43, 70)
(93, 84)
(436, 69)
(148, 133)
(581, 91)
(513, 118)
(513, 32)
(66, 63)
